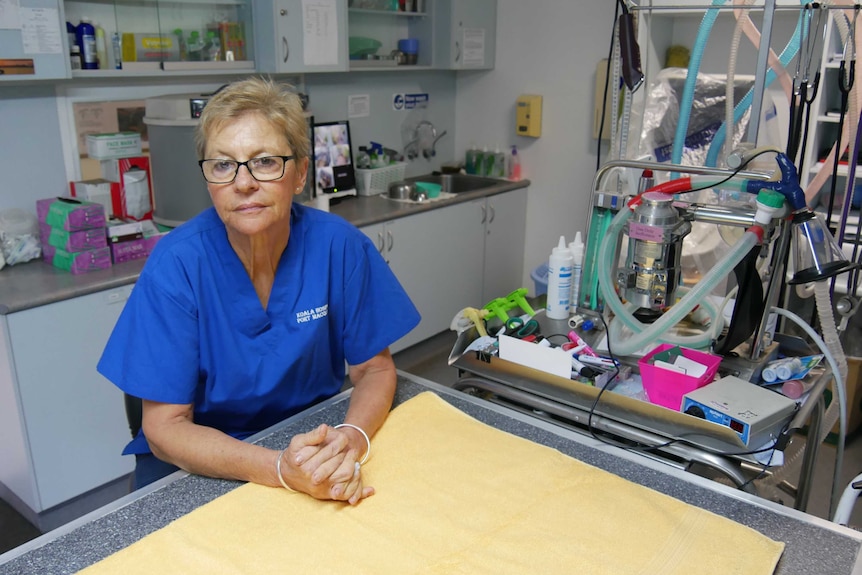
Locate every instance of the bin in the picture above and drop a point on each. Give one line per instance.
(540, 279)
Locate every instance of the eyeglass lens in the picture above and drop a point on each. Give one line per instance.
(263, 169)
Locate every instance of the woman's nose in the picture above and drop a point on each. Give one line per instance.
(244, 180)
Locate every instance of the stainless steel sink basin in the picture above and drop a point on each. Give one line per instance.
(458, 183)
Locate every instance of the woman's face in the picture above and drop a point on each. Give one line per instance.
(247, 206)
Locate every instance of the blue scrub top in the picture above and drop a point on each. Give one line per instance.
(194, 331)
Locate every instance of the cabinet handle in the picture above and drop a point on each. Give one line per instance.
(484, 214)
(457, 51)
(493, 213)
(286, 47)
(391, 239)
(380, 244)
(282, 12)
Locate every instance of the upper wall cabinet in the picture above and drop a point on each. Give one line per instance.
(32, 42)
(467, 34)
(297, 36)
(379, 30)
(144, 37)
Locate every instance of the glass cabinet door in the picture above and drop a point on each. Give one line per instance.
(154, 35)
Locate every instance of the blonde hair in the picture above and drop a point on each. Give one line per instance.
(279, 104)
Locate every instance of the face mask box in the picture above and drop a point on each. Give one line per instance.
(113, 145)
(133, 198)
(98, 190)
(70, 214)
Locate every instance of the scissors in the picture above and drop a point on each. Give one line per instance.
(517, 327)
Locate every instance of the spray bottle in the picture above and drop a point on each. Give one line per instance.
(577, 249)
(559, 281)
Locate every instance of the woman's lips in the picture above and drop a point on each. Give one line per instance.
(248, 208)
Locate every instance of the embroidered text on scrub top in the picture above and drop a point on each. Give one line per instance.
(310, 314)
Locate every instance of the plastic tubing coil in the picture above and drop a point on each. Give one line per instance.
(840, 406)
(643, 335)
(691, 80)
(787, 55)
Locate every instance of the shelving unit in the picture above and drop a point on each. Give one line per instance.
(387, 27)
(168, 26)
(822, 134)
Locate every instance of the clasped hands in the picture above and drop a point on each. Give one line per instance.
(323, 464)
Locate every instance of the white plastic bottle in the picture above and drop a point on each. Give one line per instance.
(577, 249)
(559, 281)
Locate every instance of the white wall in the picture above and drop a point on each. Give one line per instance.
(550, 48)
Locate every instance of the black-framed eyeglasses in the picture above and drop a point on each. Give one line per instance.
(263, 169)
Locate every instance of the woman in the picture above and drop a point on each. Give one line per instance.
(247, 313)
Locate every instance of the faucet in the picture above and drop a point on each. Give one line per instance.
(419, 143)
(429, 153)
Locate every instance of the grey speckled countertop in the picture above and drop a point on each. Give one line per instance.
(36, 283)
(813, 546)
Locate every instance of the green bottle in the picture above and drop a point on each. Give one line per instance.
(471, 160)
(487, 160)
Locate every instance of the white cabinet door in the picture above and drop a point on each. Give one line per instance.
(437, 257)
(75, 420)
(296, 36)
(467, 34)
(31, 56)
(505, 237)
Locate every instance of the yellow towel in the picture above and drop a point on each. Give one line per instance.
(454, 496)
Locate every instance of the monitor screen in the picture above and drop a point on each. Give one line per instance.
(333, 159)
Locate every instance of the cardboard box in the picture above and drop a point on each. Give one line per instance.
(97, 190)
(78, 241)
(80, 262)
(70, 214)
(150, 47)
(131, 241)
(114, 145)
(133, 198)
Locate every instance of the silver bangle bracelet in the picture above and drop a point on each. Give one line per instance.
(278, 472)
(365, 435)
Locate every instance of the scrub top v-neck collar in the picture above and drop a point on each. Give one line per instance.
(249, 312)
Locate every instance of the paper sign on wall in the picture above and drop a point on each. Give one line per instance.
(9, 16)
(358, 105)
(40, 30)
(409, 101)
(319, 33)
(474, 47)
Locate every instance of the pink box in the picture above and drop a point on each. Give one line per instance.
(80, 262)
(130, 250)
(665, 387)
(70, 214)
(73, 241)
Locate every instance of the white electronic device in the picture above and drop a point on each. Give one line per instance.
(755, 413)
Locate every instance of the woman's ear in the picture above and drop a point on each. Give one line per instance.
(302, 165)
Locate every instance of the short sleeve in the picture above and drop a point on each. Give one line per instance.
(378, 311)
(153, 350)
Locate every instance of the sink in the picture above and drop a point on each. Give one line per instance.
(458, 183)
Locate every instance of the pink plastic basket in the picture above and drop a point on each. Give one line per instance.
(666, 388)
